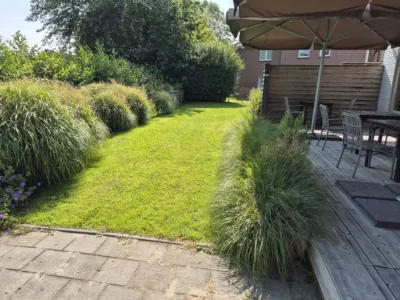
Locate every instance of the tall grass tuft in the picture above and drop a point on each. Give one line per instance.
(113, 111)
(140, 105)
(255, 102)
(267, 207)
(41, 135)
(108, 100)
(164, 102)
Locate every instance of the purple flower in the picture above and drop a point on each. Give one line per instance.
(28, 193)
(13, 177)
(16, 198)
(39, 184)
(7, 190)
(20, 192)
(13, 206)
(2, 216)
(5, 195)
(22, 184)
(20, 175)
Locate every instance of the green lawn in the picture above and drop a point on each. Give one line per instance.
(156, 180)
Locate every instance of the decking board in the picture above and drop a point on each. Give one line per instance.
(363, 261)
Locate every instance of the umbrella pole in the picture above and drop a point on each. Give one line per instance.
(321, 68)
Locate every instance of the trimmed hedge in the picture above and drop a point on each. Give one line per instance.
(212, 73)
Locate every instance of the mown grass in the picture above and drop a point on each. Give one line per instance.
(156, 180)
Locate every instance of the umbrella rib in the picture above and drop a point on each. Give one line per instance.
(272, 27)
(346, 34)
(382, 37)
(312, 31)
(333, 29)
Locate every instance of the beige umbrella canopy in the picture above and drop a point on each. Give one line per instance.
(385, 8)
(329, 32)
(302, 8)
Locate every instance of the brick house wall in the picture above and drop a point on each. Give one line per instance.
(387, 98)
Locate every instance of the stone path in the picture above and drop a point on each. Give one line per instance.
(59, 265)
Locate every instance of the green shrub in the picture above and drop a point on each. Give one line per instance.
(268, 205)
(164, 102)
(212, 73)
(113, 111)
(294, 130)
(255, 102)
(40, 135)
(140, 105)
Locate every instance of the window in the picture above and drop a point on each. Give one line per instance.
(265, 55)
(327, 53)
(304, 54)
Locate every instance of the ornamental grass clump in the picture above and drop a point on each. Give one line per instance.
(164, 102)
(108, 100)
(140, 105)
(113, 111)
(268, 206)
(41, 135)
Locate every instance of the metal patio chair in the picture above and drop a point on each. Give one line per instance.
(295, 110)
(326, 124)
(353, 138)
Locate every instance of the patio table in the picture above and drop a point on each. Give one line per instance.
(389, 120)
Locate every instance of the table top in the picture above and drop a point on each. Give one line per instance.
(389, 124)
(383, 115)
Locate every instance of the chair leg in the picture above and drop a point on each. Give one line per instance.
(358, 162)
(319, 138)
(341, 155)
(326, 138)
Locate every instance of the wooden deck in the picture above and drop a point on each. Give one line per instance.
(353, 259)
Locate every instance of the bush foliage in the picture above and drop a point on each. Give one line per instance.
(212, 73)
(268, 206)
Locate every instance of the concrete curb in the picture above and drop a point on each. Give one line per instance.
(111, 234)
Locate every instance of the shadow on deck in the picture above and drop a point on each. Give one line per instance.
(355, 259)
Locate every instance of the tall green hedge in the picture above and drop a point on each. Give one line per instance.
(212, 73)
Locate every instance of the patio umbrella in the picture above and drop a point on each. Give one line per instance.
(301, 8)
(385, 8)
(294, 33)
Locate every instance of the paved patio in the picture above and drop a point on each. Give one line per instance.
(59, 265)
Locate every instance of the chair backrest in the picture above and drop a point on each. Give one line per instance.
(352, 130)
(352, 102)
(324, 116)
(287, 105)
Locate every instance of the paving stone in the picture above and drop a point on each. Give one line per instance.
(41, 287)
(152, 277)
(226, 283)
(212, 262)
(115, 292)
(114, 247)
(18, 257)
(86, 243)
(56, 240)
(177, 256)
(28, 240)
(49, 262)
(148, 251)
(117, 271)
(81, 290)
(4, 249)
(190, 281)
(10, 281)
(82, 266)
(150, 295)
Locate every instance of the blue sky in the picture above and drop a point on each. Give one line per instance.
(14, 12)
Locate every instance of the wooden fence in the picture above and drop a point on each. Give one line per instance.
(339, 85)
